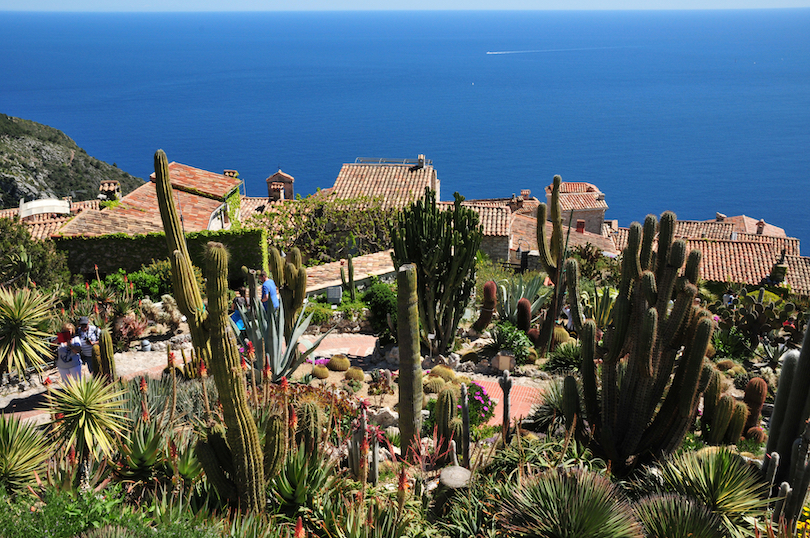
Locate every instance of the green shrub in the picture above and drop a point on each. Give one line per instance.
(508, 337)
(381, 299)
(566, 357)
(321, 313)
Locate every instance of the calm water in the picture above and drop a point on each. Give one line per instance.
(696, 112)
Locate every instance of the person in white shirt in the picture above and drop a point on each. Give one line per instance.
(69, 359)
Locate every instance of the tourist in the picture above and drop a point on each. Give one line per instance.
(269, 293)
(69, 359)
(88, 335)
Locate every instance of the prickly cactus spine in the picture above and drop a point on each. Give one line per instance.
(275, 445)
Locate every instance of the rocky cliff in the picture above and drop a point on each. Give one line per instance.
(37, 161)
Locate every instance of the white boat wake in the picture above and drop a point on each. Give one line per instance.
(548, 50)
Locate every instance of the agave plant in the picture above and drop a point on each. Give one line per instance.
(374, 517)
(723, 481)
(514, 289)
(23, 450)
(304, 475)
(568, 504)
(673, 516)
(283, 357)
(24, 316)
(89, 415)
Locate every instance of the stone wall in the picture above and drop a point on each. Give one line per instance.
(593, 219)
(496, 247)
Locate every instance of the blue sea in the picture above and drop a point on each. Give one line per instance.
(694, 111)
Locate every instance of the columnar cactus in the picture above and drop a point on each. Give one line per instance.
(106, 356)
(552, 258)
(465, 418)
(242, 434)
(755, 393)
(186, 290)
(651, 411)
(276, 445)
(310, 425)
(442, 244)
(524, 315)
(487, 306)
(505, 381)
(736, 424)
(445, 413)
(410, 362)
(290, 277)
(348, 283)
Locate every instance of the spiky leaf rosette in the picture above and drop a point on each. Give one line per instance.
(721, 480)
(673, 516)
(89, 413)
(23, 450)
(568, 504)
(24, 315)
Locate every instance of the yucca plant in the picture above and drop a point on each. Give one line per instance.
(23, 450)
(566, 357)
(724, 482)
(673, 516)
(568, 504)
(24, 316)
(88, 415)
(469, 514)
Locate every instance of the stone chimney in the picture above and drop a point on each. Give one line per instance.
(580, 226)
(760, 227)
(525, 193)
(109, 189)
(284, 189)
(719, 217)
(230, 173)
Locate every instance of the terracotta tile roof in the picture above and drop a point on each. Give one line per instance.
(696, 229)
(789, 244)
(494, 218)
(202, 182)
(253, 205)
(570, 187)
(743, 262)
(746, 224)
(138, 213)
(524, 232)
(798, 274)
(46, 225)
(398, 184)
(576, 196)
(322, 276)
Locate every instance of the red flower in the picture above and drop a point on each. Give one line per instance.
(203, 370)
(172, 450)
(284, 384)
(47, 381)
(299, 529)
(143, 384)
(59, 416)
(403, 480)
(251, 350)
(87, 286)
(244, 364)
(293, 420)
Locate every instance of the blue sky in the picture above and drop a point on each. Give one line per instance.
(309, 5)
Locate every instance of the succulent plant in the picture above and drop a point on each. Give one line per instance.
(444, 372)
(339, 363)
(355, 373)
(320, 371)
(433, 384)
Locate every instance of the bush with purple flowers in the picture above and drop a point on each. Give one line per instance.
(482, 408)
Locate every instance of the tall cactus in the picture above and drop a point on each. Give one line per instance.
(290, 277)
(186, 290)
(445, 414)
(649, 413)
(242, 434)
(487, 306)
(442, 244)
(410, 362)
(348, 283)
(106, 356)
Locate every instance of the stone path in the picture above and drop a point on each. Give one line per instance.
(358, 347)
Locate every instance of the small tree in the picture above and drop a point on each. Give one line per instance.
(442, 244)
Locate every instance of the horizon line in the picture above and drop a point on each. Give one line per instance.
(430, 10)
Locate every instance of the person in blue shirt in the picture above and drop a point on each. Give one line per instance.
(269, 293)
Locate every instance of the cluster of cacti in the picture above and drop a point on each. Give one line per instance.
(756, 315)
(106, 359)
(360, 443)
(348, 283)
(724, 419)
(433, 384)
(442, 244)
(788, 435)
(290, 277)
(410, 362)
(488, 306)
(649, 413)
(212, 337)
(339, 363)
(444, 372)
(355, 373)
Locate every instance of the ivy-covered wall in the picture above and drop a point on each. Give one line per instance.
(110, 252)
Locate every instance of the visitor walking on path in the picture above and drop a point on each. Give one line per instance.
(69, 359)
(88, 335)
(269, 293)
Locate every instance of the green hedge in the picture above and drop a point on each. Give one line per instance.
(128, 252)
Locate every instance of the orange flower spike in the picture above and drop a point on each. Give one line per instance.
(143, 386)
(250, 349)
(293, 420)
(244, 364)
(284, 384)
(47, 382)
(299, 529)
(203, 370)
(172, 450)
